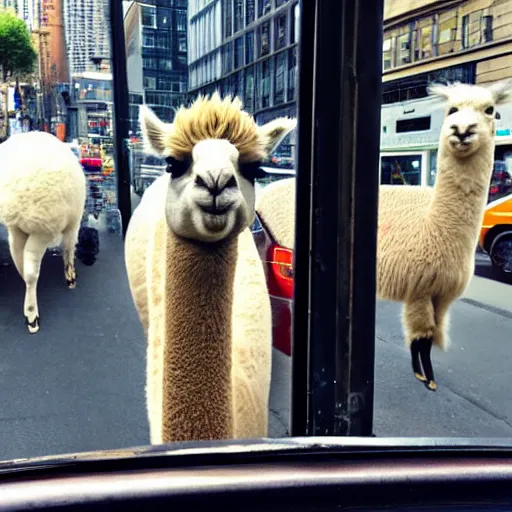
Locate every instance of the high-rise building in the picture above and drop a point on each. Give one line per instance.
(247, 48)
(87, 33)
(156, 52)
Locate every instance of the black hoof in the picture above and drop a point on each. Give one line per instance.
(33, 326)
(421, 362)
(71, 283)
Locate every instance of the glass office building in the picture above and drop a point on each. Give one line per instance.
(247, 48)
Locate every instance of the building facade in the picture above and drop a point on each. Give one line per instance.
(87, 33)
(469, 41)
(247, 48)
(156, 52)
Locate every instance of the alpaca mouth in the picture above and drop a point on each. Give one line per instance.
(215, 209)
(215, 221)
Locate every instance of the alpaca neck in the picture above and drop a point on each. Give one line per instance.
(197, 390)
(460, 193)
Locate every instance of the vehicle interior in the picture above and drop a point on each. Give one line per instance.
(332, 460)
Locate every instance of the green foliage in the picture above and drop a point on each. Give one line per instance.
(17, 52)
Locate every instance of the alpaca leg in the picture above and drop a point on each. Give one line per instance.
(32, 255)
(441, 313)
(17, 241)
(420, 327)
(70, 237)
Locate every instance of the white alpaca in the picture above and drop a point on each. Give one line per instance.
(427, 237)
(42, 197)
(196, 277)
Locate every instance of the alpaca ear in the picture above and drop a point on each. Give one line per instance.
(441, 90)
(155, 132)
(275, 131)
(501, 91)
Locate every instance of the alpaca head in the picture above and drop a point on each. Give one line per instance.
(213, 150)
(470, 113)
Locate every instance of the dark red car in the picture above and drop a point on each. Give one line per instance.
(278, 264)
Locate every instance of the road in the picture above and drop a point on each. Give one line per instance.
(78, 385)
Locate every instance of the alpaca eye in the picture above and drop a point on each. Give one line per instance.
(176, 168)
(452, 111)
(489, 111)
(252, 171)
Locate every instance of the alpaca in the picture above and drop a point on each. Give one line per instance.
(195, 274)
(42, 197)
(427, 237)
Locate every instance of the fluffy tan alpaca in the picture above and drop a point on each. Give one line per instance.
(428, 236)
(196, 277)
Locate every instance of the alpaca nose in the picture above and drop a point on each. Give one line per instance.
(462, 132)
(215, 184)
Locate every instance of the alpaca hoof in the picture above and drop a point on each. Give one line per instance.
(71, 283)
(420, 377)
(421, 362)
(34, 326)
(431, 385)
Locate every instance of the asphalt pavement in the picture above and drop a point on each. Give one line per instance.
(78, 385)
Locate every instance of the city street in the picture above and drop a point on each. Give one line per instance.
(79, 383)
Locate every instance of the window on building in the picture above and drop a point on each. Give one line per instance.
(163, 40)
(149, 82)
(163, 17)
(249, 47)
(486, 29)
(148, 38)
(447, 32)
(239, 52)
(404, 46)
(265, 83)
(280, 74)
(149, 62)
(239, 15)
(227, 13)
(182, 60)
(164, 83)
(249, 89)
(148, 16)
(424, 42)
(472, 33)
(165, 64)
(249, 11)
(292, 73)
(280, 31)
(294, 25)
(182, 42)
(227, 58)
(176, 87)
(401, 170)
(264, 39)
(265, 6)
(387, 53)
(181, 20)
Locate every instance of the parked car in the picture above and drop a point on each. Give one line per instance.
(278, 264)
(496, 234)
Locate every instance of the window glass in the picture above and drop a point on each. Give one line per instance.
(82, 378)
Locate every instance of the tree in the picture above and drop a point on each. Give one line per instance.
(17, 56)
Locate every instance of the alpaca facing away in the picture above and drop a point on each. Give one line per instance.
(42, 198)
(196, 277)
(427, 237)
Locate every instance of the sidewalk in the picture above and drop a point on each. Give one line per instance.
(489, 292)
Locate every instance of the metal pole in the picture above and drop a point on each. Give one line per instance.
(120, 110)
(347, 101)
(305, 132)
